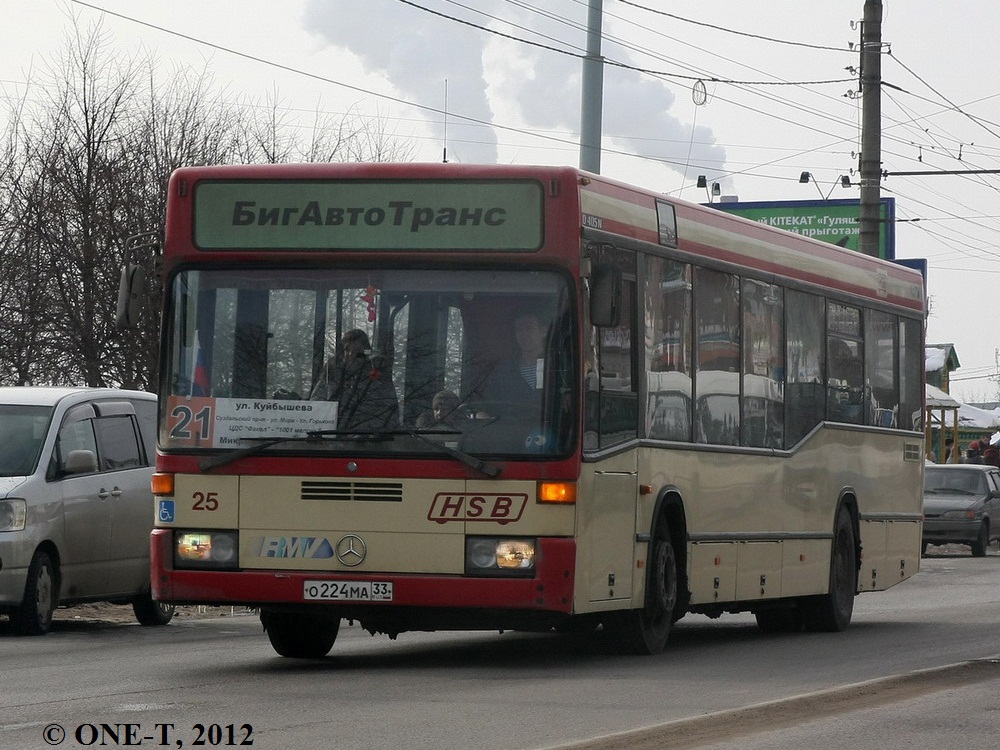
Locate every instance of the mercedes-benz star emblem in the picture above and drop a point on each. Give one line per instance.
(351, 550)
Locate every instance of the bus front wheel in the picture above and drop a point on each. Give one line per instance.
(300, 636)
(645, 631)
(832, 611)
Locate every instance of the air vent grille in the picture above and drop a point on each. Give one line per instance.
(363, 491)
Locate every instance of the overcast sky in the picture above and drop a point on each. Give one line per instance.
(499, 81)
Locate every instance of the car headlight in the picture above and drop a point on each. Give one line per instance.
(492, 556)
(206, 549)
(13, 512)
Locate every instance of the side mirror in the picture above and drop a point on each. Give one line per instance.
(606, 296)
(130, 295)
(80, 462)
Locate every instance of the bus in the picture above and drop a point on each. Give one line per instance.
(700, 414)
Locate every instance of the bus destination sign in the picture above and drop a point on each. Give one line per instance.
(368, 215)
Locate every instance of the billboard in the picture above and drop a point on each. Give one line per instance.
(834, 221)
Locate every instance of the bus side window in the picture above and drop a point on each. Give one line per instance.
(880, 347)
(805, 402)
(717, 357)
(614, 416)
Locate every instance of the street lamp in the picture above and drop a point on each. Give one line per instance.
(715, 191)
(844, 180)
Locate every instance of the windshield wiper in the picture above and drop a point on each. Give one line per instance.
(310, 437)
(489, 470)
(318, 435)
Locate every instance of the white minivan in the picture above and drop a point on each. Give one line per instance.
(76, 507)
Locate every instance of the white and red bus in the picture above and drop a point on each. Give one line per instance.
(707, 415)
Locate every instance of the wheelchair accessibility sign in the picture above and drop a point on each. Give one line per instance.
(165, 513)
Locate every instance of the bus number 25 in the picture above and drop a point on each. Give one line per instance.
(205, 501)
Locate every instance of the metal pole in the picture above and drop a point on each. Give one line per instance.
(871, 129)
(592, 93)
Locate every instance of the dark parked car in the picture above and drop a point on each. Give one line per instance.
(962, 505)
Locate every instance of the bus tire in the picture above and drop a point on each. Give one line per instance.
(298, 635)
(34, 615)
(645, 631)
(150, 612)
(831, 612)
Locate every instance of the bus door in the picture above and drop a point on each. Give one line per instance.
(609, 480)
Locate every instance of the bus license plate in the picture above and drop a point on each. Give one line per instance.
(348, 591)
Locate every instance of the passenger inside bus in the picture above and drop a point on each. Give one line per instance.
(846, 383)
(446, 412)
(364, 391)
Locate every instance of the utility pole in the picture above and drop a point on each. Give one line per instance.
(870, 165)
(592, 96)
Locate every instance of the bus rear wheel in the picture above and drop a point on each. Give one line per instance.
(300, 636)
(832, 611)
(645, 631)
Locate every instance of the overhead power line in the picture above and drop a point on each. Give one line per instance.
(733, 31)
(614, 63)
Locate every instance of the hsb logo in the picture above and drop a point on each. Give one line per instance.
(502, 509)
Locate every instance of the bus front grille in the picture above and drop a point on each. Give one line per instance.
(364, 491)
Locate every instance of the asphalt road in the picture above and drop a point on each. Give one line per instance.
(918, 661)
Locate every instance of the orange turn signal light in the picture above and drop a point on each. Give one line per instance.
(162, 484)
(557, 492)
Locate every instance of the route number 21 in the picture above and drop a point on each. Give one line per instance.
(191, 425)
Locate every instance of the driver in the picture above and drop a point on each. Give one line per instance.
(518, 380)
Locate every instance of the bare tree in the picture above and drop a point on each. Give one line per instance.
(84, 166)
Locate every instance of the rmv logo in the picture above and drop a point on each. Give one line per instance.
(296, 546)
(500, 509)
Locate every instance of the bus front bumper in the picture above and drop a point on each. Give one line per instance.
(551, 589)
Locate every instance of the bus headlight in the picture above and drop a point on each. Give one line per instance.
(206, 549)
(492, 556)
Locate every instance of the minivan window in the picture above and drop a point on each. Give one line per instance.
(22, 433)
(75, 436)
(119, 443)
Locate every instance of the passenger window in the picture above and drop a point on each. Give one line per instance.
(717, 357)
(615, 418)
(73, 436)
(805, 405)
(119, 444)
(763, 365)
(845, 365)
(880, 368)
(668, 360)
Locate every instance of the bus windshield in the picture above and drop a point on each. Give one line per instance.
(389, 360)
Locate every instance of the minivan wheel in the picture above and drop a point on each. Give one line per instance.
(151, 612)
(34, 615)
